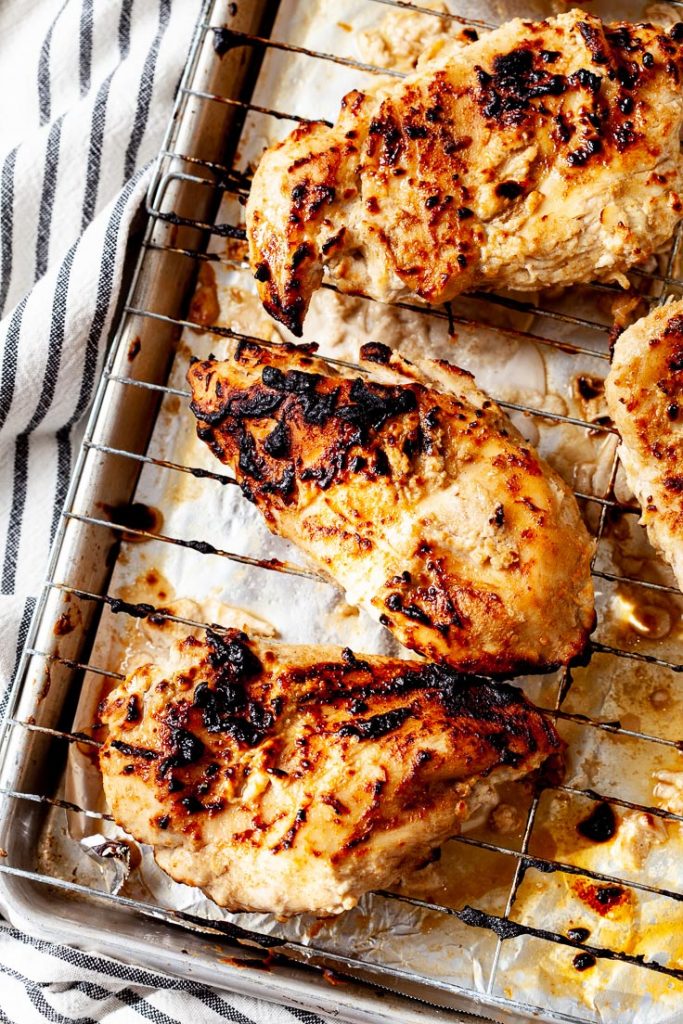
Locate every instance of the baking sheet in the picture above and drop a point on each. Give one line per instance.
(642, 697)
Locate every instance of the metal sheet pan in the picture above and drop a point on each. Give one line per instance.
(234, 91)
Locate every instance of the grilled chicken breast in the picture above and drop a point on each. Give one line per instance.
(644, 391)
(295, 779)
(544, 153)
(417, 496)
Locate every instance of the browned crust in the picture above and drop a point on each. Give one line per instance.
(238, 696)
(433, 132)
(292, 433)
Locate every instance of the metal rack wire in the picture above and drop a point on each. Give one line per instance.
(223, 179)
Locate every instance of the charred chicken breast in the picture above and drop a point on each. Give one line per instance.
(295, 779)
(418, 496)
(644, 391)
(544, 153)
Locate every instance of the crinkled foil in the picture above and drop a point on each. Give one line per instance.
(643, 698)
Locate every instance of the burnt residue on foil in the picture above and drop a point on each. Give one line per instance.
(136, 516)
(600, 825)
(506, 929)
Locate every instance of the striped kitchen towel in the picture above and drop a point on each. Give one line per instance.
(87, 89)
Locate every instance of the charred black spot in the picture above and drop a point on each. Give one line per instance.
(352, 663)
(186, 749)
(628, 74)
(470, 695)
(626, 104)
(509, 189)
(564, 130)
(676, 32)
(378, 725)
(600, 825)
(299, 193)
(376, 352)
(392, 139)
(581, 156)
(431, 202)
(240, 730)
(131, 751)
(672, 411)
(250, 462)
(262, 272)
(164, 821)
(578, 934)
(394, 602)
(283, 486)
(675, 326)
(452, 145)
(648, 60)
(374, 404)
(287, 840)
(416, 131)
(191, 804)
(674, 483)
(254, 404)
(231, 651)
(624, 135)
(590, 387)
(608, 894)
(296, 382)
(464, 213)
(550, 56)
(301, 253)
(318, 407)
(278, 443)
(506, 94)
(501, 743)
(210, 416)
(513, 65)
(308, 201)
(381, 465)
(226, 698)
(499, 516)
(259, 716)
(622, 39)
(330, 243)
(583, 961)
(416, 614)
(325, 474)
(586, 79)
(133, 713)
(593, 39)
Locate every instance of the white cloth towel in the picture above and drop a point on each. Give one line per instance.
(86, 89)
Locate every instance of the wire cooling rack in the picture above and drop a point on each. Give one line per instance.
(196, 169)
